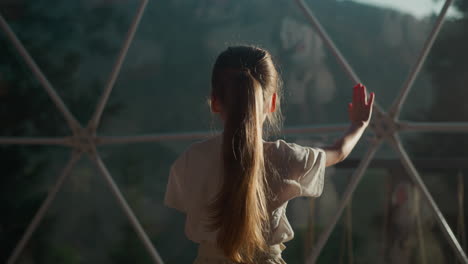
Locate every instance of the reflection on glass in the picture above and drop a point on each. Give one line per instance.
(389, 219)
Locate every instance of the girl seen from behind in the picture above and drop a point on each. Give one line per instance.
(234, 187)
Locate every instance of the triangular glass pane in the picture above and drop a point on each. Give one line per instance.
(26, 109)
(85, 224)
(443, 170)
(141, 171)
(380, 39)
(359, 230)
(395, 226)
(439, 92)
(75, 43)
(28, 173)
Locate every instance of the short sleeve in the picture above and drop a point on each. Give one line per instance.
(312, 179)
(301, 168)
(174, 197)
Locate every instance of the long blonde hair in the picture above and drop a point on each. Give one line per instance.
(242, 78)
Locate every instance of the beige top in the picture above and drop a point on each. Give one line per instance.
(196, 177)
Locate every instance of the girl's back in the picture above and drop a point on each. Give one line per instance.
(196, 178)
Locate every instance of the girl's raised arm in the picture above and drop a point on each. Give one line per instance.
(360, 112)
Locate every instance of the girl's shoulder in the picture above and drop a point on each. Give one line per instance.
(287, 157)
(207, 144)
(199, 149)
(283, 148)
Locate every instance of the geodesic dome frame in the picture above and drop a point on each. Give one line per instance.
(84, 139)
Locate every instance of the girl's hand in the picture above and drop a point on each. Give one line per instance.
(360, 110)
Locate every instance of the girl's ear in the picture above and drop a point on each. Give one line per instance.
(273, 102)
(215, 106)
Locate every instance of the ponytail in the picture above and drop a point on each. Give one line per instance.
(239, 212)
